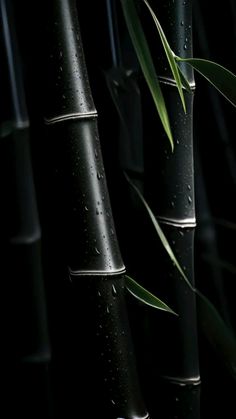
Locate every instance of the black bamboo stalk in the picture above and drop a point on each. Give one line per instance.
(27, 348)
(107, 366)
(169, 188)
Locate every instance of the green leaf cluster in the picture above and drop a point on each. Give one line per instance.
(221, 78)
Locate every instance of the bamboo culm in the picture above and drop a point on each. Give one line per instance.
(169, 188)
(27, 347)
(96, 269)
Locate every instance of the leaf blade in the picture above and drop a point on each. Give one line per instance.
(169, 54)
(160, 233)
(145, 296)
(146, 63)
(220, 77)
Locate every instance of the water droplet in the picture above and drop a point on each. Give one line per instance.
(189, 199)
(60, 68)
(108, 310)
(186, 39)
(100, 326)
(96, 251)
(177, 141)
(99, 294)
(189, 187)
(172, 204)
(181, 233)
(182, 23)
(63, 97)
(86, 208)
(60, 54)
(99, 176)
(185, 46)
(112, 401)
(95, 153)
(115, 82)
(112, 231)
(114, 292)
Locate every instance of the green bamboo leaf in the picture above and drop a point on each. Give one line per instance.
(221, 78)
(160, 232)
(145, 296)
(169, 54)
(217, 332)
(144, 56)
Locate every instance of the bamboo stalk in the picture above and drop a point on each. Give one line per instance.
(169, 189)
(92, 253)
(27, 341)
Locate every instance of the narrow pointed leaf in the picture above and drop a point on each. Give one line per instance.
(221, 78)
(146, 297)
(169, 54)
(219, 335)
(146, 63)
(160, 232)
(217, 332)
